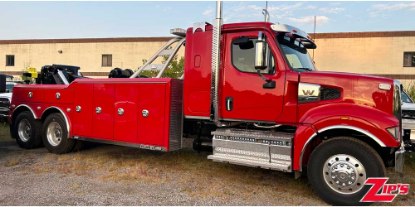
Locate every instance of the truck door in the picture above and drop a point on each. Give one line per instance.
(243, 94)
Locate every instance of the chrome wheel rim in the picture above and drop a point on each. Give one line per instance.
(24, 130)
(344, 174)
(54, 133)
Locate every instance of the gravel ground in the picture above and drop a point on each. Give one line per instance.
(112, 175)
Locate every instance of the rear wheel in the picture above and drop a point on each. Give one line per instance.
(27, 131)
(55, 135)
(339, 167)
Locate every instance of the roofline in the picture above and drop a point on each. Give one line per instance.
(363, 34)
(91, 73)
(87, 40)
(165, 39)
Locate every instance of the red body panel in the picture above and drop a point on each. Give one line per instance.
(82, 122)
(196, 91)
(126, 123)
(102, 123)
(131, 95)
(159, 114)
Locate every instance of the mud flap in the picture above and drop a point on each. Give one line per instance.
(399, 160)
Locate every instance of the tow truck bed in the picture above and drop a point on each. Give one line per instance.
(139, 112)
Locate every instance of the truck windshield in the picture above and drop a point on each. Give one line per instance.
(295, 53)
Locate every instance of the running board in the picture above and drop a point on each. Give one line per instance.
(254, 148)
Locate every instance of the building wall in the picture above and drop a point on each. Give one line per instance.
(86, 54)
(377, 53)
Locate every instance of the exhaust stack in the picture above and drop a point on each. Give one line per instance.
(217, 26)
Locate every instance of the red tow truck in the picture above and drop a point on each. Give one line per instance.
(250, 91)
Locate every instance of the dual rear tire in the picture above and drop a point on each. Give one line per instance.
(26, 131)
(53, 133)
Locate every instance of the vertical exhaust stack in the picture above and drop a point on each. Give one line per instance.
(265, 12)
(217, 26)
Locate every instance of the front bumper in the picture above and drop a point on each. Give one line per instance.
(400, 159)
(4, 113)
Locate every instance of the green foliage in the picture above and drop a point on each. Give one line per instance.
(174, 69)
(410, 90)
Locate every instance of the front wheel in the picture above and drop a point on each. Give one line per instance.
(55, 135)
(339, 167)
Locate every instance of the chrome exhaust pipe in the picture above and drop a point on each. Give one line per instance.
(217, 26)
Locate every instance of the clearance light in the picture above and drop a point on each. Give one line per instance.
(394, 131)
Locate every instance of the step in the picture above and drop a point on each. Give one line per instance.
(256, 148)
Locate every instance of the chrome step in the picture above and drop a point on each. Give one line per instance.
(255, 148)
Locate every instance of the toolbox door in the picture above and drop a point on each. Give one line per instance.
(125, 113)
(82, 115)
(153, 117)
(103, 108)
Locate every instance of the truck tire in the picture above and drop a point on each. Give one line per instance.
(338, 168)
(55, 135)
(27, 131)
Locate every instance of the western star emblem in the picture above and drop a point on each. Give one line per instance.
(308, 92)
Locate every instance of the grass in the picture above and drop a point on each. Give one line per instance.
(4, 132)
(194, 175)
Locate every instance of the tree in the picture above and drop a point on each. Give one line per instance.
(174, 69)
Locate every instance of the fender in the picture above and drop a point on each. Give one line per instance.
(343, 116)
(28, 107)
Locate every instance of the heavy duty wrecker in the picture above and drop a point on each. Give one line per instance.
(250, 90)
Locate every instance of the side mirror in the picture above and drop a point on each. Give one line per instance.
(260, 52)
(270, 84)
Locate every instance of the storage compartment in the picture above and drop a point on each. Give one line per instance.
(144, 113)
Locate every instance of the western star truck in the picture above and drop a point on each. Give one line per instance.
(250, 91)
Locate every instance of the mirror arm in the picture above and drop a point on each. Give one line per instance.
(269, 83)
(262, 76)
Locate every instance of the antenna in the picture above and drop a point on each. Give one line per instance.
(265, 12)
(314, 31)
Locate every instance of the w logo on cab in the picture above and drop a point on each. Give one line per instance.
(308, 92)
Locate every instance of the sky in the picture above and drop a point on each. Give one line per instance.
(43, 20)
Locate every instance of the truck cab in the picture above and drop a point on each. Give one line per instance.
(269, 88)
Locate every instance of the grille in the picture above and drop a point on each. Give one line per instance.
(4, 102)
(408, 114)
(329, 93)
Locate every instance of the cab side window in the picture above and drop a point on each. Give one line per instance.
(243, 56)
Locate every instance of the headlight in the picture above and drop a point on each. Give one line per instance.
(395, 132)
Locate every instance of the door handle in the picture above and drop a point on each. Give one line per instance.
(229, 103)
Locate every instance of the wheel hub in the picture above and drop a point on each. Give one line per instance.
(54, 133)
(344, 173)
(24, 130)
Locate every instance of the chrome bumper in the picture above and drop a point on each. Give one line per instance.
(400, 159)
